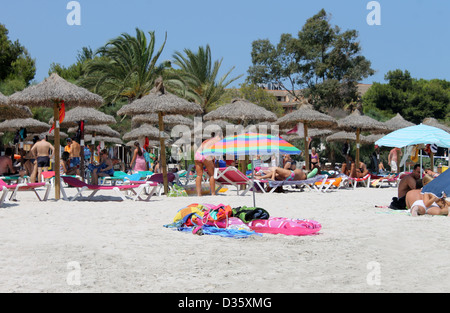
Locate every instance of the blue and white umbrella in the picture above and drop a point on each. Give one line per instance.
(415, 135)
(440, 186)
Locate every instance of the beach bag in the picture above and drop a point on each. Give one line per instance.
(218, 216)
(248, 214)
(177, 191)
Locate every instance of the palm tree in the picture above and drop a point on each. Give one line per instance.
(125, 67)
(201, 76)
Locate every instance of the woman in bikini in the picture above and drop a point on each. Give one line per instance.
(421, 204)
(315, 162)
(205, 161)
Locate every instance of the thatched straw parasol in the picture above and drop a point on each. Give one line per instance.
(162, 102)
(3, 99)
(359, 122)
(31, 125)
(373, 138)
(55, 88)
(145, 130)
(209, 127)
(104, 139)
(309, 118)
(97, 130)
(90, 116)
(242, 111)
(170, 120)
(430, 121)
(52, 92)
(50, 135)
(397, 122)
(313, 132)
(11, 111)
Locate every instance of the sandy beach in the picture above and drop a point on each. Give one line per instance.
(108, 246)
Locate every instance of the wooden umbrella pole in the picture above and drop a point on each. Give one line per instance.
(82, 144)
(163, 153)
(56, 107)
(305, 140)
(358, 131)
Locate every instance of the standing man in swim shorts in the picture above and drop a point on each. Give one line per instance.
(393, 159)
(41, 149)
(75, 152)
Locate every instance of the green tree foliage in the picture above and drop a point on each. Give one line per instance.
(74, 71)
(323, 61)
(17, 68)
(126, 67)
(201, 76)
(414, 99)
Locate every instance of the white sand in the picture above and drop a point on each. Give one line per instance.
(123, 247)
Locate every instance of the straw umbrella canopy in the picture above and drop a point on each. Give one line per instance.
(162, 102)
(100, 130)
(169, 120)
(151, 143)
(373, 138)
(360, 122)
(3, 99)
(145, 130)
(397, 122)
(313, 132)
(50, 135)
(104, 139)
(344, 136)
(30, 124)
(90, 116)
(209, 127)
(53, 92)
(430, 121)
(309, 118)
(11, 111)
(241, 110)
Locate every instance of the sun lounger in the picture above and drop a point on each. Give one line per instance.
(15, 179)
(328, 184)
(364, 180)
(26, 187)
(4, 193)
(232, 176)
(136, 189)
(307, 183)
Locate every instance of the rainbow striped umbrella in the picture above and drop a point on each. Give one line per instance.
(251, 144)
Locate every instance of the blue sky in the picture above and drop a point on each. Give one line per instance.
(413, 35)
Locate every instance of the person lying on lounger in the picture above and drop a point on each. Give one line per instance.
(281, 174)
(358, 172)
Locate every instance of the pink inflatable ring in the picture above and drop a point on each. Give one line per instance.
(285, 226)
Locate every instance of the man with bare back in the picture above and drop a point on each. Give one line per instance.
(42, 150)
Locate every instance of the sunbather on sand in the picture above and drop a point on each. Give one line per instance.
(281, 174)
(421, 204)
